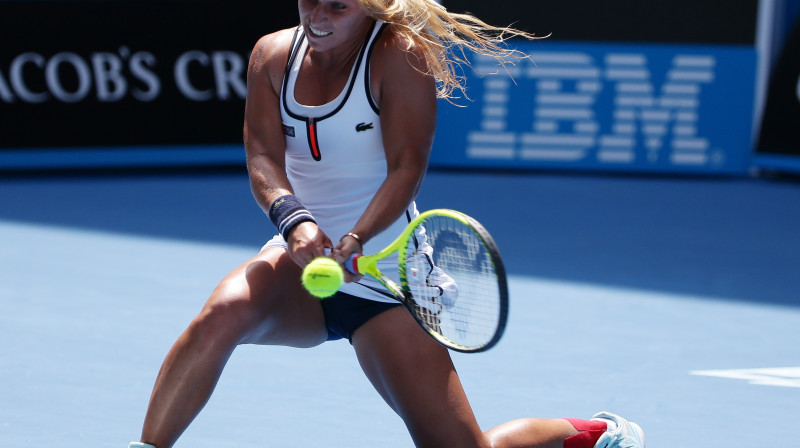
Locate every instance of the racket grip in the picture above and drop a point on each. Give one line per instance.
(351, 264)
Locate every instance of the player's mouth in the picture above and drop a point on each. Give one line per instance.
(318, 33)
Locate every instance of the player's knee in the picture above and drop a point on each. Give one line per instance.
(225, 318)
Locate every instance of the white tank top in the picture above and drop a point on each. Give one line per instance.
(335, 159)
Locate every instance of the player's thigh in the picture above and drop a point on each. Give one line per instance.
(264, 298)
(416, 377)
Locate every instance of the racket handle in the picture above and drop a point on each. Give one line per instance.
(351, 264)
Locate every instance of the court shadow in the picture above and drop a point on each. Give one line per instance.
(731, 239)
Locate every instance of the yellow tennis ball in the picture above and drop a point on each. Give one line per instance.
(322, 277)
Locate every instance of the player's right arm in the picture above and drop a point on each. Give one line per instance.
(265, 144)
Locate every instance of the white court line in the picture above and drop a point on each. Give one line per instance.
(770, 376)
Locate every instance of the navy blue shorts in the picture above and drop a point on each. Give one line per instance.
(344, 314)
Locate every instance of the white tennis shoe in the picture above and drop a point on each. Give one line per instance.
(625, 435)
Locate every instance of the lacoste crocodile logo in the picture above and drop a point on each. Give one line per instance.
(361, 127)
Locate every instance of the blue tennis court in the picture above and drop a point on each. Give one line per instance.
(672, 301)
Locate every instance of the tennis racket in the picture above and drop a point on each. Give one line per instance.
(452, 279)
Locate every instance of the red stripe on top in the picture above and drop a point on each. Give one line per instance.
(312, 139)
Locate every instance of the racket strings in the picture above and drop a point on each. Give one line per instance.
(451, 276)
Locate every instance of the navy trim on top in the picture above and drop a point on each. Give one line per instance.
(352, 80)
(369, 70)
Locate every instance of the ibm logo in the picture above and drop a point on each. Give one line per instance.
(635, 119)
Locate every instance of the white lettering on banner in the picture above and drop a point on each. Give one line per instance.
(54, 81)
(566, 127)
(70, 78)
(18, 80)
(111, 83)
(106, 69)
(139, 68)
(182, 80)
(228, 69)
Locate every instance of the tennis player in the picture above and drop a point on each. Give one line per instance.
(339, 121)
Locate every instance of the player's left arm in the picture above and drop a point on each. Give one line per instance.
(407, 100)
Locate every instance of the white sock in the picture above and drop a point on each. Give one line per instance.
(140, 445)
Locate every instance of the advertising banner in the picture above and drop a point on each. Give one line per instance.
(666, 87)
(83, 74)
(620, 107)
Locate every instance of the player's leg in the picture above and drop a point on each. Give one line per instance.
(603, 430)
(532, 432)
(253, 304)
(416, 377)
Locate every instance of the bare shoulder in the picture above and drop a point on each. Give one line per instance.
(397, 62)
(395, 52)
(269, 56)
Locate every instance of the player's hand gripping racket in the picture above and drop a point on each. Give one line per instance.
(452, 279)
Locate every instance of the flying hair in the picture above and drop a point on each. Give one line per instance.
(444, 39)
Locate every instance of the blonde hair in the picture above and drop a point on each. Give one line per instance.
(444, 38)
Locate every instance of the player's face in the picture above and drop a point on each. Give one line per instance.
(330, 23)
